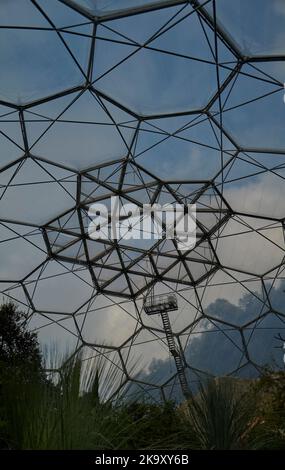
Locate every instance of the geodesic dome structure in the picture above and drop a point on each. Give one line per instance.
(154, 101)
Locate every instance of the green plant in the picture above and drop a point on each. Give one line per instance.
(269, 393)
(20, 361)
(74, 413)
(84, 405)
(159, 425)
(19, 348)
(219, 417)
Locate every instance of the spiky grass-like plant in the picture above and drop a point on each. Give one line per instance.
(76, 412)
(219, 417)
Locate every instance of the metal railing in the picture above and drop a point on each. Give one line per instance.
(160, 303)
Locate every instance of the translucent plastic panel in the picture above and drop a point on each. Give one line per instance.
(59, 289)
(276, 293)
(154, 27)
(108, 326)
(10, 131)
(59, 337)
(181, 147)
(215, 348)
(30, 194)
(25, 13)
(28, 72)
(67, 151)
(247, 165)
(14, 292)
(233, 297)
(101, 7)
(257, 26)
(253, 194)
(159, 72)
(21, 13)
(146, 348)
(84, 134)
(265, 331)
(60, 14)
(254, 108)
(243, 240)
(9, 151)
(150, 83)
(19, 254)
(249, 306)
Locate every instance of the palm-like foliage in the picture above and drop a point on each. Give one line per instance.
(73, 414)
(219, 417)
(87, 408)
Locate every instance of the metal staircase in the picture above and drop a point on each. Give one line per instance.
(179, 362)
(162, 304)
